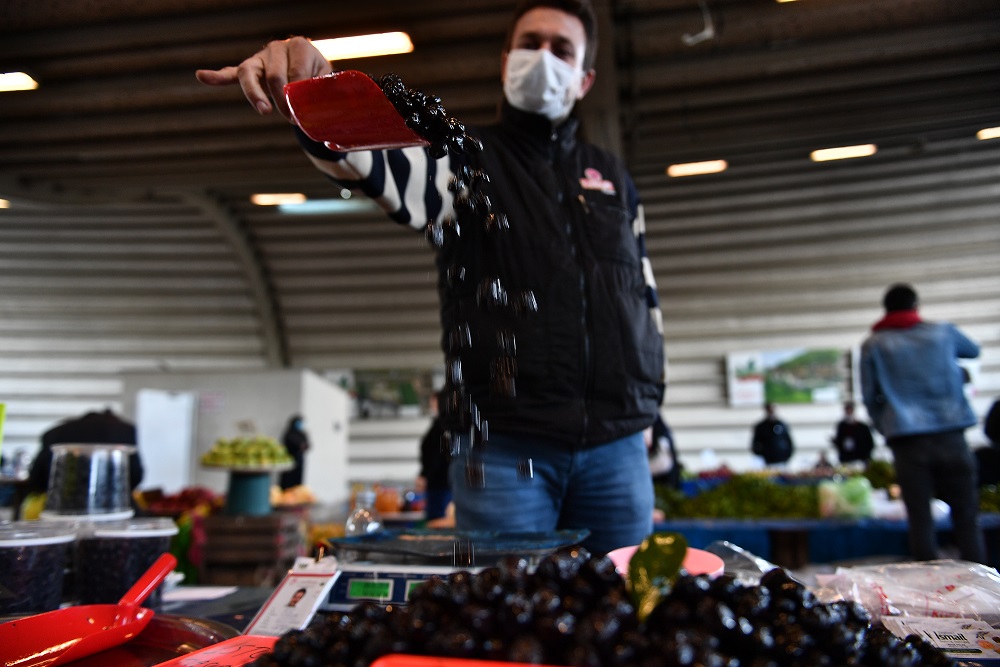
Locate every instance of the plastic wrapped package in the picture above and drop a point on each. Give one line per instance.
(941, 588)
(850, 498)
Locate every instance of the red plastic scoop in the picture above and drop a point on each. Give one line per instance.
(349, 112)
(59, 636)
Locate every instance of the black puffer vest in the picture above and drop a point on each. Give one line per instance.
(587, 364)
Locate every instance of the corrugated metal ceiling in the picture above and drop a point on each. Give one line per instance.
(132, 245)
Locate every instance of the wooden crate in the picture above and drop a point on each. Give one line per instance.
(250, 550)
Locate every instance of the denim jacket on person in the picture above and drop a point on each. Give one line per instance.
(911, 381)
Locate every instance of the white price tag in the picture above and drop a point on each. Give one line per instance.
(294, 602)
(958, 638)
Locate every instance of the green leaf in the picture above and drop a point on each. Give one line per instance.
(653, 567)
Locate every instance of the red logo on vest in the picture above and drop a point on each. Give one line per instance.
(592, 180)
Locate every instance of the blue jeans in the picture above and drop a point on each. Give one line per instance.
(606, 489)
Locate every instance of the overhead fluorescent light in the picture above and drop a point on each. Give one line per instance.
(4, 203)
(277, 198)
(16, 81)
(988, 133)
(297, 203)
(697, 168)
(329, 206)
(843, 152)
(364, 46)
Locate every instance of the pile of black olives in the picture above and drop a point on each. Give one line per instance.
(779, 622)
(575, 610)
(425, 115)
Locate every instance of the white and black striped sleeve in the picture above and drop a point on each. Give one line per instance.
(410, 186)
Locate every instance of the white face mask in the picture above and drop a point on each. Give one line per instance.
(538, 82)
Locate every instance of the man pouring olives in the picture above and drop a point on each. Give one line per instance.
(552, 333)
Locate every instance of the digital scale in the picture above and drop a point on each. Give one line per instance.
(421, 554)
(384, 583)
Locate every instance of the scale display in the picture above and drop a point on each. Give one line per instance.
(385, 584)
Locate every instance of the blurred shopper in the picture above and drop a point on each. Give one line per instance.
(296, 441)
(92, 428)
(772, 440)
(664, 466)
(988, 457)
(853, 439)
(435, 457)
(912, 387)
(991, 425)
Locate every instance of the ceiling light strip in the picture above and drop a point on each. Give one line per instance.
(364, 46)
(277, 198)
(843, 152)
(10, 81)
(697, 168)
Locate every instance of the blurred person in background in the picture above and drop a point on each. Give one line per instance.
(296, 442)
(913, 389)
(988, 457)
(772, 441)
(435, 458)
(92, 428)
(991, 425)
(664, 465)
(853, 439)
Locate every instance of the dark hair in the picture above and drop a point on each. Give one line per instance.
(899, 297)
(581, 9)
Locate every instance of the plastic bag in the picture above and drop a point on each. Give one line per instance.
(851, 498)
(745, 567)
(942, 588)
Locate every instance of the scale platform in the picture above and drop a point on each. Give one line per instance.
(380, 582)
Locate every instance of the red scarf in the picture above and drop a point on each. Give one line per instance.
(898, 319)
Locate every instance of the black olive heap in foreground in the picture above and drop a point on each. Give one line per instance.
(575, 610)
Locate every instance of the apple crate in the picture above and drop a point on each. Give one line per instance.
(250, 550)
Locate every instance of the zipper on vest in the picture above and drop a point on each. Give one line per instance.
(577, 215)
(584, 319)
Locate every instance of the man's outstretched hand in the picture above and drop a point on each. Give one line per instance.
(263, 75)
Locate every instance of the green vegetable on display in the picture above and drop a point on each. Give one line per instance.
(246, 451)
(747, 496)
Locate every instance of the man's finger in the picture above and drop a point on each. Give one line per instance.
(217, 77)
(252, 72)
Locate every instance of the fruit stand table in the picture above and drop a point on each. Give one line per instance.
(793, 543)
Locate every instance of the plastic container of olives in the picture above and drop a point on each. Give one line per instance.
(90, 480)
(33, 559)
(112, 555)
